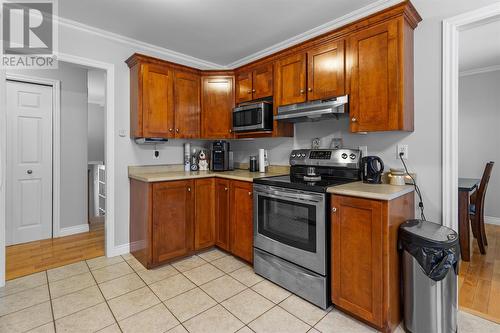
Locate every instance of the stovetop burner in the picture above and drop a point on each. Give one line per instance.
(317, 169)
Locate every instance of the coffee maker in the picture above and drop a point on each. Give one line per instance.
(222, 157)
(372, 169)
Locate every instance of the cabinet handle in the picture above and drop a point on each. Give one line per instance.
(354, 119)
(302, 91)
(189, 189)
(334, 210)
(310, 89)
(176, 130)
(170, 129)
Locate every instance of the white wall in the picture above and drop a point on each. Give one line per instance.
(424, 143)
(73, 133)
(479, 135)
(95, 133)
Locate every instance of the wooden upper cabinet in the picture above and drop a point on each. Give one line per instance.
(291, 79)
(357, 257)
(241, 226)
(262, 77)
(222, 213)
(157, 101)
(187, 105)
(217, 106)
(381, 77)
(173, 220)
(204, 235)
(244, 87)
(326, 71)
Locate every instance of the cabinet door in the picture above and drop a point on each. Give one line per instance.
(374, 101)
(158, 101)
(187, 105)
(217, 107)
(325, 73)
(291, 79)
(263, 81)
(172, 220)
(204, 225)
(222, 204)
(241, 226)
(243, 87)
(357, 273)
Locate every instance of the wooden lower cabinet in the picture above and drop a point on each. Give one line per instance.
(241, 226)
(365, 258)
(204, 226)
(222, 213)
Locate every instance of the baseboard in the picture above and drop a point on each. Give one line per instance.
(119, 250)
(492, 220)
(77, 229)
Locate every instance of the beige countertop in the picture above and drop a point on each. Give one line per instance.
(371, 191)
(167, 173)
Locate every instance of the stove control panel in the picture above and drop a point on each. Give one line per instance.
(349, 158)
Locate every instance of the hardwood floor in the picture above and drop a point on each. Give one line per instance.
(479, 279)
(28, 258)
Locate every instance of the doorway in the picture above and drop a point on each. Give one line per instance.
(66, 234)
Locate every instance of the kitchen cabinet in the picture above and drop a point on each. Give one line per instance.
(365, 259)
(222, 213)
(173, 220)
(187, 105)
(204, 235)
(381, 77)
(241, 226)
(217, 106)
(326, 71)
(318, 73)
(254, 84)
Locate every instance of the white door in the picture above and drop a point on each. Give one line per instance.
(29, 162)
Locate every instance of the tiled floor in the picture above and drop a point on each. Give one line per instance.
(211, 292)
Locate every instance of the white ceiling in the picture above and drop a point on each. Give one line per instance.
(479, 47)
(219, 31)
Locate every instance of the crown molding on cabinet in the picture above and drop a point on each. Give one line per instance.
(479, 70)
(203, 64)
(319, 30)
(170, 55)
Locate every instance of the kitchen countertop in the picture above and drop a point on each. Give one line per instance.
(168, 173)
(371, 191)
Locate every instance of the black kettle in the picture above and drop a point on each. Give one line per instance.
(372, 168)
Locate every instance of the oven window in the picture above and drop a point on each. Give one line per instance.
(288, 222)
(247, 117)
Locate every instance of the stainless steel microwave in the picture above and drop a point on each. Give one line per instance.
(252, 117)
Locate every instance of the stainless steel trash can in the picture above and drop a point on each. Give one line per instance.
(430, 268)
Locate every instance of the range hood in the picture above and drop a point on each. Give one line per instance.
(313, 111)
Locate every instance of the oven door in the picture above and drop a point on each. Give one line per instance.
(291, 225)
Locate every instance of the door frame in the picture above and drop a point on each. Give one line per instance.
(56, 141)
(450, 72)
(110, 248)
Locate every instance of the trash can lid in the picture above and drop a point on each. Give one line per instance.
(427, 234)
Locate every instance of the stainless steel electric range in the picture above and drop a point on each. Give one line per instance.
(291, 220)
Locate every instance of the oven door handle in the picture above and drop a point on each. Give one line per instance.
(282, 195)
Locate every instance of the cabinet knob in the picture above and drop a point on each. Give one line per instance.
(249, 91)
(29, 172)
(249, 193)
(189, 189)
(253, 90)
(170, 129)
(225, 189)
(354, 119)
(176, 130)
(310, 89)
(230, 131)
(334, 210)
(302, 91)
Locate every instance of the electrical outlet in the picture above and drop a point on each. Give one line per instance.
(364, 150)
(156, 155)
(402, 149)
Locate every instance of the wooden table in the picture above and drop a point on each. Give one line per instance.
(466, 186)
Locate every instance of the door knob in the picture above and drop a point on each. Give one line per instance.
(29, 172)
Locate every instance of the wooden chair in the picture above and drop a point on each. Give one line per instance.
(477, 209)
